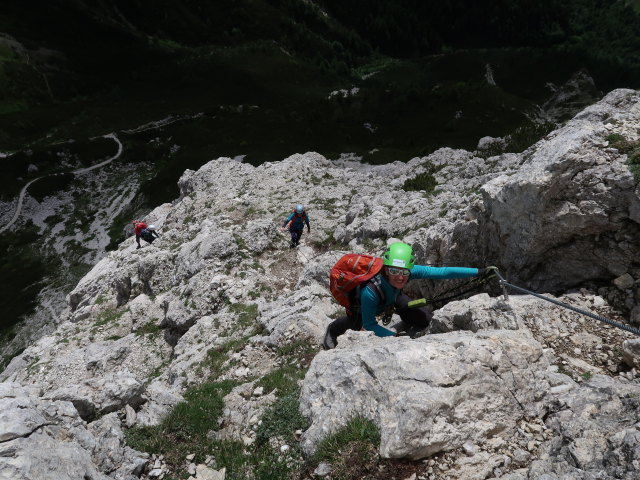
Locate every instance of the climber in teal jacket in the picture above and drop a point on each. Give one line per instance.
(383, 293)
(295, 222)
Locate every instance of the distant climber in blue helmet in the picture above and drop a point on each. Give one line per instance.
(296, 221)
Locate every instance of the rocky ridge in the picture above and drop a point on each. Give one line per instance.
(519, 389)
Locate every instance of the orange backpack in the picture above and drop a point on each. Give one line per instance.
(350, 272)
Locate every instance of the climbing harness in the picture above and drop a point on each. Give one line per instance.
(385, 317)
(504, 284)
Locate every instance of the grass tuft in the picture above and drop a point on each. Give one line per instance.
(282, 420)
(352, 451)
(217, 356)
(187, 429)
(284, 380)
(149, 328)
(107, 316)
(247, 314)
(631, 149)
(423, 181)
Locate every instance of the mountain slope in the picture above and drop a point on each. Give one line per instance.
(197, 343)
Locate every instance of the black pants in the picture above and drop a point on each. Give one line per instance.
(415, 318)
(296, 235)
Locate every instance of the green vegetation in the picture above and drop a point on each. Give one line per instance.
(519, 140)
(108, 316)
(352, 451)
(368, 243)
(100, 299)
(149, 328)
(605, 37)
(282, 420)
(246, 314)
(328, 243)
(526, 135)
(423, 181)
(615, 139)
(186, 430)
(284, 380)
(212, 365)
(158, 370)
(22, 272)
(254, 77)
(242, 245)
(297, 349)
(631, 149)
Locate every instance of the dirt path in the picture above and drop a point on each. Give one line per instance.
(80, 171)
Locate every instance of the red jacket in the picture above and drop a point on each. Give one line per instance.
(138, 227)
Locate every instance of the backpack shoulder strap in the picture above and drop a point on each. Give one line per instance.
(376, 285)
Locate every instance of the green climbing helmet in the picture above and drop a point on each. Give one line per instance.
(400, 255)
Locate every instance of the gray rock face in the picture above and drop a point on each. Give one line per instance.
(579, 91)
(571, 195)
(423, 393)
(476, 313)
(631, 352)
(595, 433)
(42, 439)
(499, 388)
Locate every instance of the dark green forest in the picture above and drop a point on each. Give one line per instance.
(604, 34)
(113, 42)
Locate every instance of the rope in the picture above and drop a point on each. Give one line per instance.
(283, 233)
(475, 283)
(303, 255)
(613, 323)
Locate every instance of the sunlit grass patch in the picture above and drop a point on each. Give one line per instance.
(184, 430)
(188, 429)
(108, 316)
(352, 451)
(284, 380)
(282, 420)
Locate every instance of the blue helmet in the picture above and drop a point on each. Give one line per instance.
(299, 208)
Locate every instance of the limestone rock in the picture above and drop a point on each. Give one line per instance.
(144, 325)
(47, 439)
(422, 393)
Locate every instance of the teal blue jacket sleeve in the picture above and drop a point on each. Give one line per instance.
(287, 220)
(369, 306)
(423, 271)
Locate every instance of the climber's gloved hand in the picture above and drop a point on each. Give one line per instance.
(487, 272)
